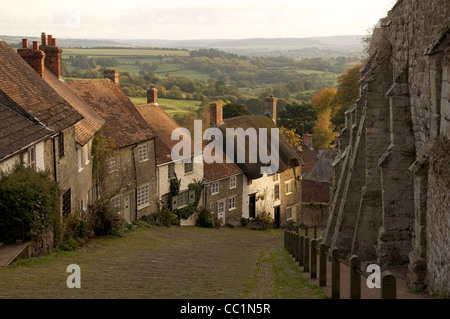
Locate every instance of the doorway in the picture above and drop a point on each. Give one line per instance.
(277, 217)
(252, 205)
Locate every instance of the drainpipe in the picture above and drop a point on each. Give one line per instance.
(54, 158)
(135, 181)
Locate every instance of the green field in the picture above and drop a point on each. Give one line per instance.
(169, 105)
(126, 52)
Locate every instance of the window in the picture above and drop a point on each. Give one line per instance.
(61, 145)
(80, 161)
(32, 157)
(143, 196)
(276, 191)
(171, 173)
(212, 208)
(86, 154)
(189, 167)
(115, 202)
(215, 188)
(232, 203)
(290, 211)
(233, 182)
(143, 153)
(221, 208)
(86, 202)
(183, 199)
(275, 177)
(111, 163)
(288, 187)
(66, 202)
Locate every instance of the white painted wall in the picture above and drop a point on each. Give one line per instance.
(261, 186)
(8, 164)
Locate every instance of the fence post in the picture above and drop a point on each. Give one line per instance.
(306, 231)
(300, 250)
(355, 277)
(335, 274)
(313, 259)
(306, 256)
(296, 237)
(323, 266)
(388, 286)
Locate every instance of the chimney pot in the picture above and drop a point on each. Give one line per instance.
(43, 38)
(54, 42)
(35, 45)
(49, 39)
(25, 43)
(215, 114)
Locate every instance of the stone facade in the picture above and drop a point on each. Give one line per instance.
(390, 187)
(291, 194)
(228, 196)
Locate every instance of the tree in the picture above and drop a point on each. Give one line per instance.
(323, 131)
(298, 117)
(291, 137)
(325, 99)
(347, 93)
(235, 109)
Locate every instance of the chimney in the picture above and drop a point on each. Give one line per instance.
(34, 57)
(152, 96)
(113, 75)
(215, 114)
(270, 107)
(308, 140)
(43, 39)
(52, 54)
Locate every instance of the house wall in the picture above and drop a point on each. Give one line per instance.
(128, 177)
(22, 157)
(232, 217)
(294, 199)
(313, 215)
(264, 189)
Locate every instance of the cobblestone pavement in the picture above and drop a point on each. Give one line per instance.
(163, 263)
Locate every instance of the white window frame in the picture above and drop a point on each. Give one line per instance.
(184, 195)
(32, 157)
(190, 166)
(80, 159)
(219, 209)
(212, 208)
(288, 187)
(290, 211)
(112, 164)
(233, 182)
(213, 188)
(143, 196)
(232, 203)
(171, 165)
(143, 153)
(116, 202)
(86, 154)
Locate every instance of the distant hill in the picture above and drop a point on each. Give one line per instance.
(344, 45)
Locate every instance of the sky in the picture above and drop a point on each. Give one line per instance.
(193, 19)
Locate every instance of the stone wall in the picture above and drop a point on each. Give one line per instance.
(313, 215)
(390, 188)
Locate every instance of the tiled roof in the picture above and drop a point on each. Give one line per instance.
(322, 171)
(124, 124)
(23, 89)
(163, 125)
(317, 192)
(287, 156)
(92, 122)
(216, 171)
(18, 132)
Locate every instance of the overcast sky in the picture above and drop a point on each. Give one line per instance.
(193, 19)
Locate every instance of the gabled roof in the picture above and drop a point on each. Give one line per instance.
(23, 90)
(124, 124)
(163, 125)
(91, 123)
(18, 132)
(216, 171)
(322, 171)
(287, 156)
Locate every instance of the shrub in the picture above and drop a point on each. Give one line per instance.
(167, 218)
(218, 222)
(244, 221)
(205, 218)
(265, 220)
(107, 222)
(29, 201)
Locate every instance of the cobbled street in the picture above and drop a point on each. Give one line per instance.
(167, 263)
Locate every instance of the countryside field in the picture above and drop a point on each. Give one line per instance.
(169, 105)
